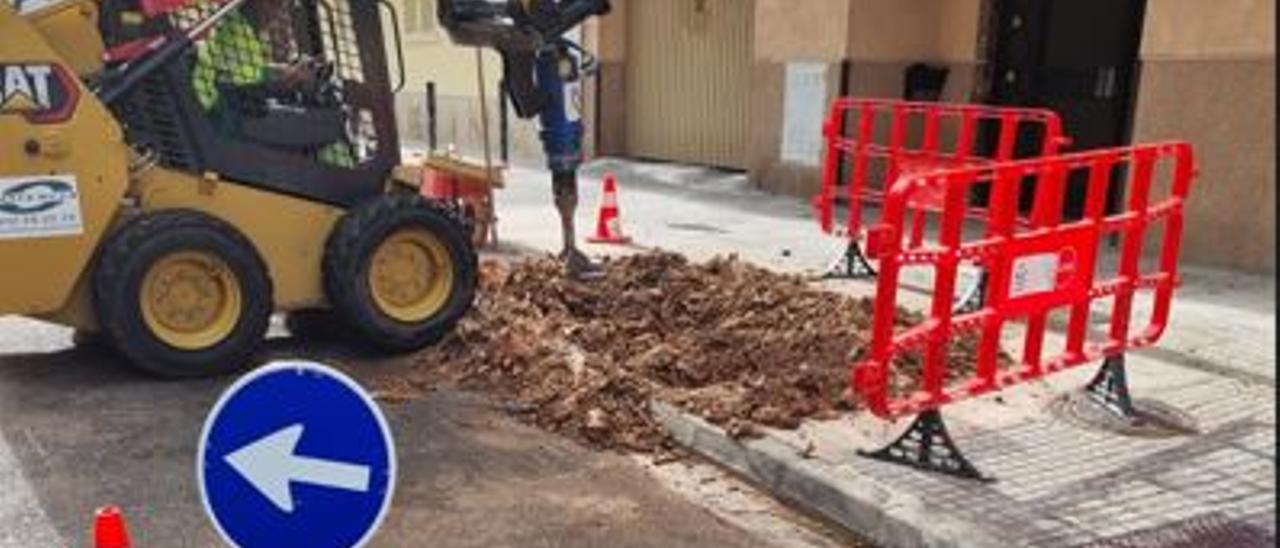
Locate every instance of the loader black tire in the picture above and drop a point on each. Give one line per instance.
(347, 265)
(126, 262)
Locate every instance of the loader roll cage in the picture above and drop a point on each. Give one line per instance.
(334, 142)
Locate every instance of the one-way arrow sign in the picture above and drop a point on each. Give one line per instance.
(271, 464)
(296, 453)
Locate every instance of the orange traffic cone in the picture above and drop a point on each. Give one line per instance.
(108, 529)
(609, 221)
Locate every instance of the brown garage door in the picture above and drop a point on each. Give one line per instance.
(688, 74)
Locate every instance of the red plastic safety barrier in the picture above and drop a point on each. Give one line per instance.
(890, 138)
(1032, 271)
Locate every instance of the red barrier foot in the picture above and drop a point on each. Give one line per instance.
(1110, 389)
(852, 265)
(927, 446)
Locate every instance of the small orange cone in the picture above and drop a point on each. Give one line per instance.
(609, 222)
(108, 529)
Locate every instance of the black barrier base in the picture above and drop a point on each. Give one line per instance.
(974, 298)
(1110, 388)
(926, 445)
(852, 265)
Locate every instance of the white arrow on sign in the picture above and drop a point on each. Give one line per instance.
(270, 464)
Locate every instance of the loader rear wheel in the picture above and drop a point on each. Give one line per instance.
(400, 271)
(182, 294)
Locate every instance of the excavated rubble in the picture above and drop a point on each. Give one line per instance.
(734, 343)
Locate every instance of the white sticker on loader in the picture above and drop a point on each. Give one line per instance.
(32, 6)
(40, 206)
(1034, 274)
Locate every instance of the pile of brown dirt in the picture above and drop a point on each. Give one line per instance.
(734, 343)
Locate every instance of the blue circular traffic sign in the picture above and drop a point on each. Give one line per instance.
(296, 454)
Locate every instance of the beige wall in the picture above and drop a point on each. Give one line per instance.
(935, 30)
(1201, 29)
(886, 37)
(881, 31)
(787, 31)
(610, 37)
(814, 30)
(429, 55)
(1208, 77)
(958, 30)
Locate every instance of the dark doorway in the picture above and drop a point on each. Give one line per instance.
(1078, 58)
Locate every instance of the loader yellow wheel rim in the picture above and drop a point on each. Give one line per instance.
(190, 300)
(410, 275)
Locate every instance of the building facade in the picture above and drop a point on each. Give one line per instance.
(742, 84)
(429, 57)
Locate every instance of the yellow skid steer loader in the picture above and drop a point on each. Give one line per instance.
(172, 172)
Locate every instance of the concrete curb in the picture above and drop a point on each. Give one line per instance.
(859, 503)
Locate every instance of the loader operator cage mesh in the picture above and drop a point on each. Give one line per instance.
(286, 31)
(228, 106)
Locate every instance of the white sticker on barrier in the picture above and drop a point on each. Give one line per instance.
(39, 206)
(1033, 274)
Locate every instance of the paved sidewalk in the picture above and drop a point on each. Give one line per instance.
(1067, 477)
(1063, 480)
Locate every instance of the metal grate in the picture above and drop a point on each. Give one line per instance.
(152, 123)
(226, 68)
(1206, 531)
(339, 39)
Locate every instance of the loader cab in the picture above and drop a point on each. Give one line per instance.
(227, 105)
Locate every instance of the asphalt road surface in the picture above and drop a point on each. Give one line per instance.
(79, 429)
